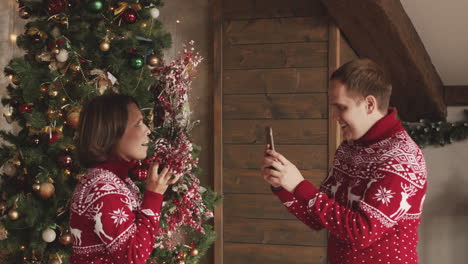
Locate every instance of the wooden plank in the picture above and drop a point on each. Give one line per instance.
(383, 32)
(290, 55)
(290, 80)
(282, 106)
(259, 206)
(217, 21)
(305, 157)
(334, 61)
(273, 254)
(251, 181)
(248, 9)
(269, 231)
(309, 131)
(456, 95)
(276, 30)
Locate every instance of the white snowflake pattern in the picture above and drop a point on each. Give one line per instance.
(383, 195)
(119, 216)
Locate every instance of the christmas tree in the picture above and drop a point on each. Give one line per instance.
(76, 50)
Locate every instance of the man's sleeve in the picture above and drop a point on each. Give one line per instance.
(129, 236)
(386, 201)
(298, 209)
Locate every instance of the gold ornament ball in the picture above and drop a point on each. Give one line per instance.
(43, 56)
(66, 172)
(54, 261)
(36, 187)
(46, 191)
(3, 207)
(194, 252)
(75, 68)
(73, 118)
(24, 14)
(53, 93)
(66, 239)
(153, 60)
(22, 247)
(51, 114)
(15, 80)
(55, 51)
(105, 45)
(13, 214)
(9, 169)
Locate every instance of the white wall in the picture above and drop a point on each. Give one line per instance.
(444, 228)
(443, 28)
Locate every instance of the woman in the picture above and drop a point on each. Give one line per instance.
(109, 221)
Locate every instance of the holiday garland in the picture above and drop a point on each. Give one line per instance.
(440, 133)
(76, 50)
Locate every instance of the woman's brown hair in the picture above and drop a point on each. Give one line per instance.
(102, 123)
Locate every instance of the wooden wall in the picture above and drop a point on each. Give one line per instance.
(273, 57)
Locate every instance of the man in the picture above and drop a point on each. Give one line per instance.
(372, 199)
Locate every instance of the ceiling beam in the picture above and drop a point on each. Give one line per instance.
(382, 31)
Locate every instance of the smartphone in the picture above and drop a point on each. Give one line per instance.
(269, 137)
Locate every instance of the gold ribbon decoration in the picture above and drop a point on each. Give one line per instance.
(60, 19)
(122, 5)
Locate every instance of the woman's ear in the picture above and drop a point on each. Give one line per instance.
(371, 104)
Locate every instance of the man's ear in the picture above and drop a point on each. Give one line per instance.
(371, 104)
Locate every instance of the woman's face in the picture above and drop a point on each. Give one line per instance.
(134, 143)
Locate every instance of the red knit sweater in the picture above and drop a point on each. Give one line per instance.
(372, 199)
(109, 221)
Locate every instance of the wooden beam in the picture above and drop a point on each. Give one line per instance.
(456, 94)
(382, 31)
(217, 20)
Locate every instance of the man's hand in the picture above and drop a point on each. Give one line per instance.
(278, 171)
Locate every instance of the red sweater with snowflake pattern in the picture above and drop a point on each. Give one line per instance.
(371, 201)
(109, 221)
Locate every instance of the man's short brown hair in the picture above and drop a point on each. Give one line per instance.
(363, 77)
(102, 123)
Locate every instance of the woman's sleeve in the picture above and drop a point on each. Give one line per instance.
(129, 235)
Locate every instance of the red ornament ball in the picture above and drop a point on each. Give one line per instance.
(57, 6)
(139, 174)
(54, 137)
(129, 16)
(24, 108)
(65, 160)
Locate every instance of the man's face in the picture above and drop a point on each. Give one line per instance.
(351, 113)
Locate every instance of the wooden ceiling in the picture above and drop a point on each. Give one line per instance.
(382, 31)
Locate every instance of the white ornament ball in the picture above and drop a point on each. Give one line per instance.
(62, 56)
(154, 12)
(9, 169)
(48, 235)
(55, 32)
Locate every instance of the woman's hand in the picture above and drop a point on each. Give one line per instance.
(158, 183)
